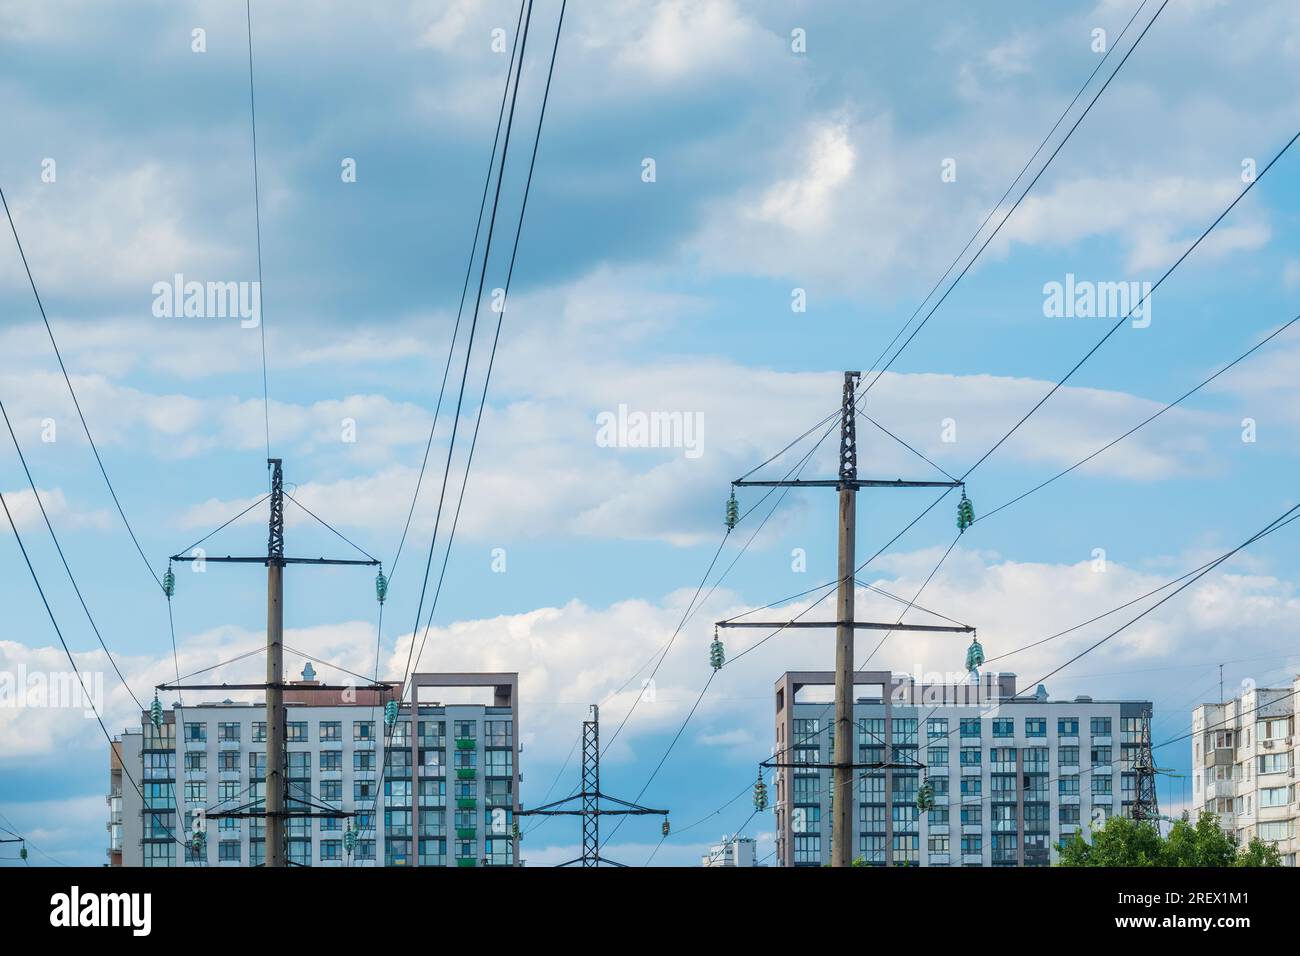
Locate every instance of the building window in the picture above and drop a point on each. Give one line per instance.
(228, 851)
(196, 731)
(363, 760)
(228, 760)
(331, 730)
(228, 732)
(1101, 783)
(806, 728)
(1100, 726)
(497, 733)
(363, 730)
(936, 727)
(1274, 763)
(1067, 727)
(808, 848)
(937, 756)
(159, 854)
(1004, 728)
(1068, 785)
(299, 762)
(296, 731)
(1035, 727)
(259, 731)
(331, 850)
(970, 727)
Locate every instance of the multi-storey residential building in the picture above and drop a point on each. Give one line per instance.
(1244, 756)
(1009, 779)
(438, 789)
(737, 851)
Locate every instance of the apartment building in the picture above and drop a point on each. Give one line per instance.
(1007, 779)
(440, 789)
(1244, 756)
(736, 851)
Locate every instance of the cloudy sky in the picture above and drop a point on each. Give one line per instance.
(846, 172)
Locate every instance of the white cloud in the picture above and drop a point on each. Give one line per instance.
(27, 514)
(673, 39)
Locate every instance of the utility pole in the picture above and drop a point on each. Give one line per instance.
(847, 484)
(274, 812)
(590, 796)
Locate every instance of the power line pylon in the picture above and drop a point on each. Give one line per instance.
(1147, 805)
(274, 809)
(847, 484)
(590, 796)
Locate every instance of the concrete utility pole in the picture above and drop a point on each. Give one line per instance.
(842, 797)
(276, 845)
(848, 483)
(275, 809)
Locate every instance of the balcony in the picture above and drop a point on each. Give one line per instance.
(466, 833)
(466, 773)
(467, 861)
(466, 743)
(971, 769)
(196, 744)
(466, 803)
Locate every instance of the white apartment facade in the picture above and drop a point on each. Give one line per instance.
(733, 851)
(1012, 777)
(439, 789)
(1244, 761)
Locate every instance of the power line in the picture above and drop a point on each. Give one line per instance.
(478, 301)
(73, 392)
(1145, 296)
(36, 495)
(496, 339)
(257, 217)
(1026, 192)
(31, 570)
(975, 235)
(451, 348)
(1146, 421)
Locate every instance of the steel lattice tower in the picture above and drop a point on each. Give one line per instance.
(1147, 805)
(590, 796)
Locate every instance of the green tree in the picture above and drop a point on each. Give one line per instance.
(1126, 842)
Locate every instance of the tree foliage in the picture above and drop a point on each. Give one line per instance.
(1127, 842)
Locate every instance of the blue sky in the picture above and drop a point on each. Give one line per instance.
(775, 171)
